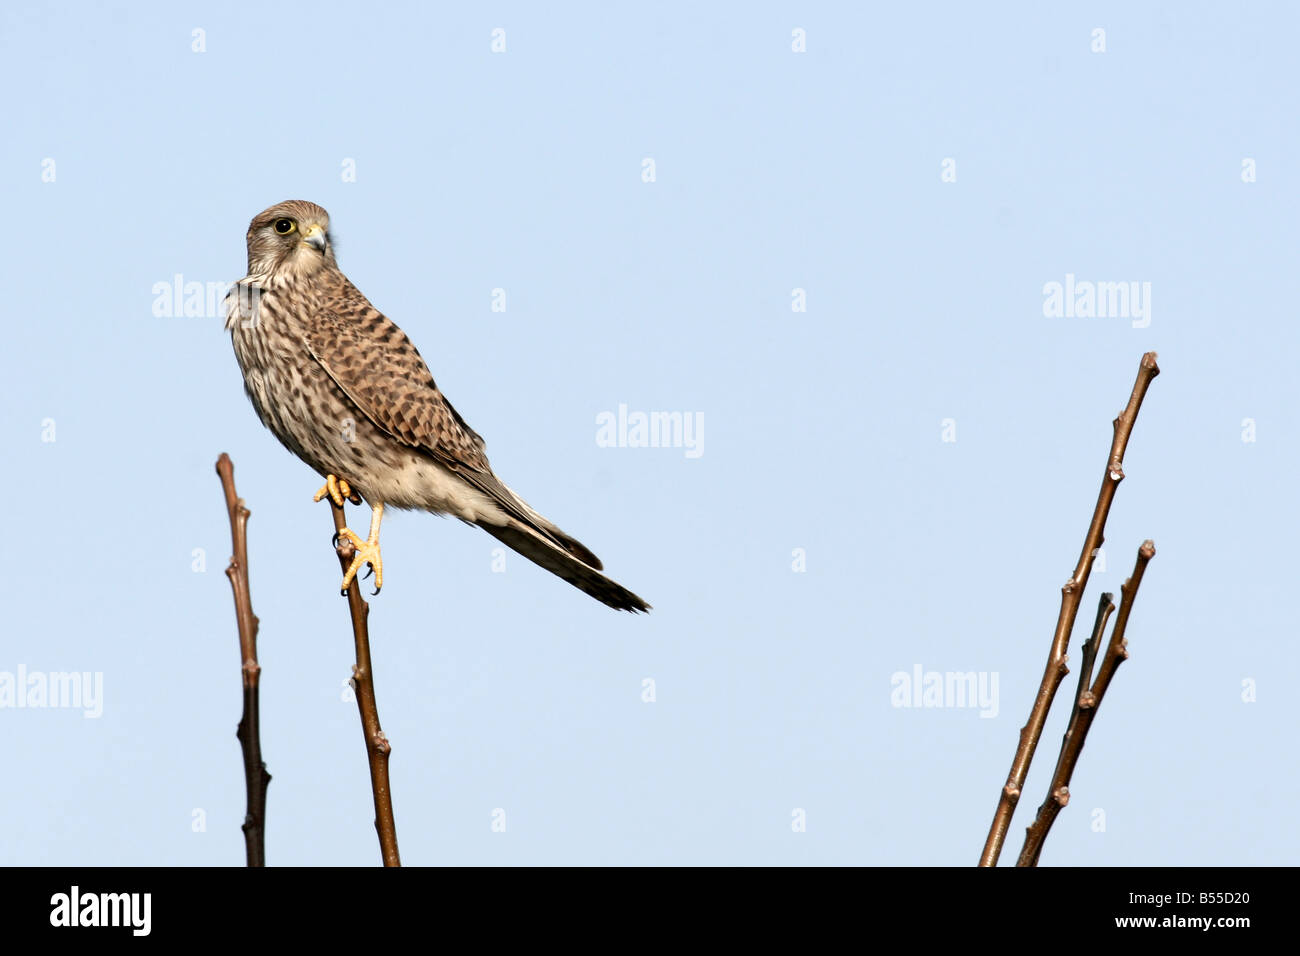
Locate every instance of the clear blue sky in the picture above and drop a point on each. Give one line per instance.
(822, 430)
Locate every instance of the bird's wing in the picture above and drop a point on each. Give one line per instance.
(381, 371)
(383, 374)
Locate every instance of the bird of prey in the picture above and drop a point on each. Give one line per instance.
(344, 389)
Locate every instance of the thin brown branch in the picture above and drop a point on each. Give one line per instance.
(1071, 595)
(1104, 608)
(256, 779)
(1058, 794)
(1085, 711)
(377, 745)
(1117, 649)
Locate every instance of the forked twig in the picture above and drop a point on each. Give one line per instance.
(1105, 606)
(249, 733)
(377, 745)
(1071, 595)
(1086, 706)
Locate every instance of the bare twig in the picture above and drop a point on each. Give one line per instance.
(377, 745)
(1085, 710)
(1071, 595)
(1117, 649)
(249, 733)
(1104, 608)
(1058, 794)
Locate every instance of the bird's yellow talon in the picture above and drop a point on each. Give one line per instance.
(337, 489)
(367, 552)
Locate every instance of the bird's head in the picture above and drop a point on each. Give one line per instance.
(292, 235)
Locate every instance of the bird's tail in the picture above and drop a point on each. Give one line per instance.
(571, 564)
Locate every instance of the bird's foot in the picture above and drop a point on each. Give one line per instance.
(367, 552)
(337, 489)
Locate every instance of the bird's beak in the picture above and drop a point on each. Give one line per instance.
(314, 236)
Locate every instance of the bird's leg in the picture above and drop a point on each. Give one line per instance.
(337, 489)
(367, 551)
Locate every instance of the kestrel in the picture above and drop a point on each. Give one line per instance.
(344, 389)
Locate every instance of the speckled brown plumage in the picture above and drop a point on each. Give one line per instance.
(345, 390)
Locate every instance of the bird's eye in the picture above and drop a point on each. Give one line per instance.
(284, 226)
